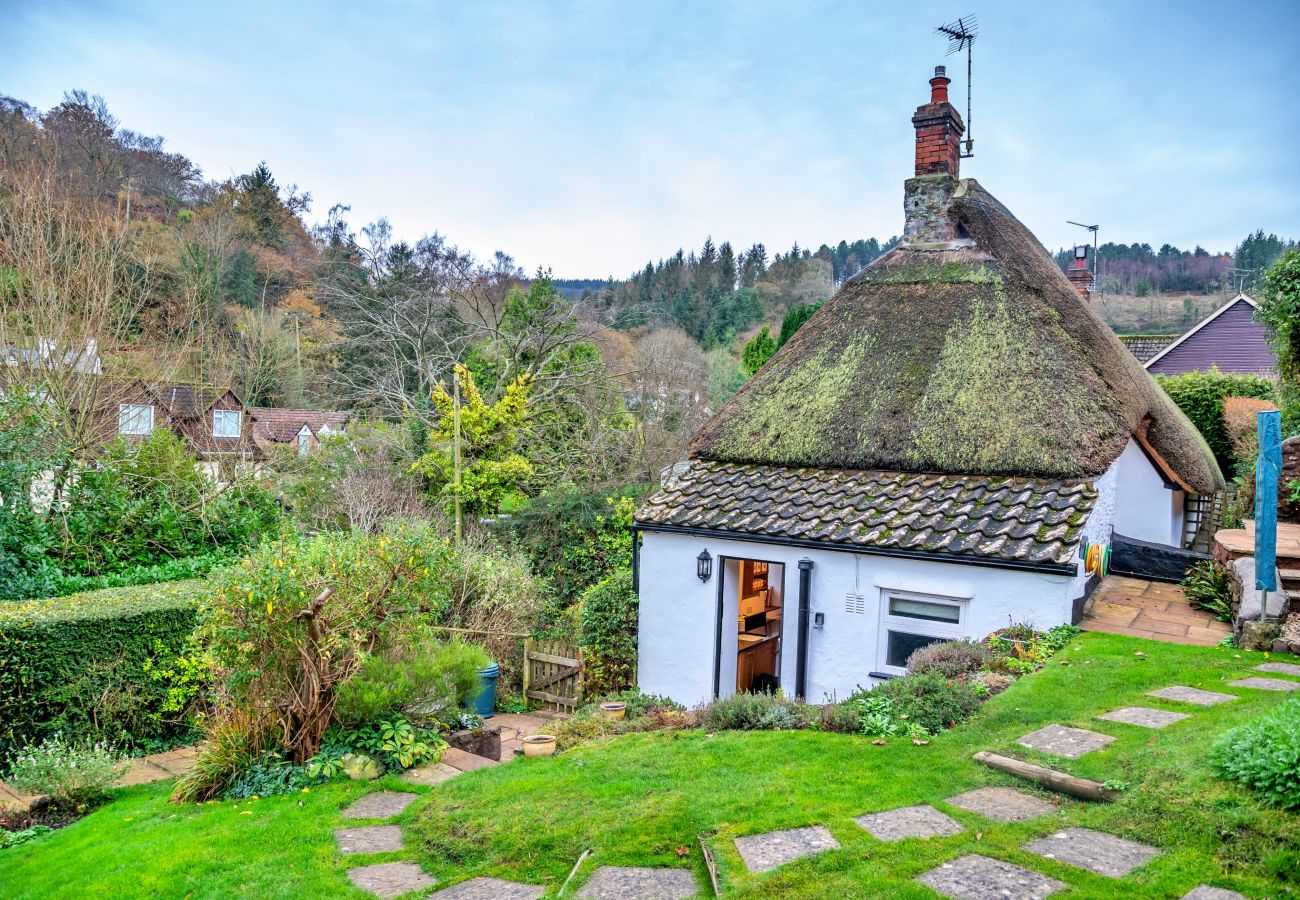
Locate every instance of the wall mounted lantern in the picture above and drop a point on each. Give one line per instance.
(704, 565)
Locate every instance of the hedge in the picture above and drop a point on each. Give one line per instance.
(1200, 396)
(75, 664)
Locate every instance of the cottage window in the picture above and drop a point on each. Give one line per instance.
(226, 422)
(909, 622)
(134, 418)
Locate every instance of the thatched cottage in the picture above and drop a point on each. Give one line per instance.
(923, 461)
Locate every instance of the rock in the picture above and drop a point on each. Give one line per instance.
(360, 767)
(1281, 645)
(1295, 647)
(1257, 635)
(1243, 573)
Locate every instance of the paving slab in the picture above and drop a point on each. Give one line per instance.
(1195, 696)
(1266, 684)
(1205, 892)
(975, 877)
(637, 883)
(391, 879)
(141, 771)
(379, 805)
(177, 762)
(1003, 804)
(1278, 668)
(1095, 851)
(489, 889)
(1144, 716)
(465, 762)
(764, 852)
(523, 723)
(369, 839)
(1059, 740)
(921, 821)
(434, 773)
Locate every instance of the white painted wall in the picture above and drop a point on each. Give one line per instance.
(1144, 507)
(678, 613)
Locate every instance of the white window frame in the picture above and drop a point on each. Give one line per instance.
(224, 415)
(129, 415)
(948, 631)
(304, 441)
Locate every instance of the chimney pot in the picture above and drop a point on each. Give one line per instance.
(938, 130)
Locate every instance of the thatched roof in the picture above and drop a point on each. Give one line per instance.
(973, 356)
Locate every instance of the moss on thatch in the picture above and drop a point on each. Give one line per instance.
(976, 359)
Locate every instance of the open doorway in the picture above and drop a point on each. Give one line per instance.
(759, 606)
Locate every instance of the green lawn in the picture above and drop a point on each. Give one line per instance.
(635, 799)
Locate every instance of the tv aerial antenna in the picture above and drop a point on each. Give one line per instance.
(961, 36)
(1093, 229)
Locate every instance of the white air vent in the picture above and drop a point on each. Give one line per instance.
(855, 604)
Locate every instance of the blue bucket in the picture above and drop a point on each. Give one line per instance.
(485, 704)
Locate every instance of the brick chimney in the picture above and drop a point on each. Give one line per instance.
(1079, 274)
(938, 131)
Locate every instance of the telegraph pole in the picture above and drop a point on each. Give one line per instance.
(455, 444)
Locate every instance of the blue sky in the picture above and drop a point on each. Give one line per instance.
(590, 137)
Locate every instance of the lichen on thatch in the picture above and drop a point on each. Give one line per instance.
(976, 358)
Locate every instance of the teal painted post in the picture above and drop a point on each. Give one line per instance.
(1268, 468)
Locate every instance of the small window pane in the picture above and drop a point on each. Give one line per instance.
(134, 419)
(225, 423)
(902, 645)
(920, 609)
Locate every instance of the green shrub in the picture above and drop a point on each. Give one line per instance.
(417, 675)
(871, 713)
(1264, 755)
(1200, 396)
(929, 700)
(951, 659)
(757, 712)
(268, 775)
(608, 634)
(73, 775)
(181, 569)
(394, 740)
(77, 664)
(1208, 586)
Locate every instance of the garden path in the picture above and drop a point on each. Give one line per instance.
(1149, 609)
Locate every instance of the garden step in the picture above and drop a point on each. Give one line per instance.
(391, 879)
(466, 762)
(369, 839)
(976, 877)
(1002, 804)
(921, 821)
(434, 773)
(489, 889)
(379, 805)
(1061, 740)
(629, 882)
(764, 852)
(1095, 851)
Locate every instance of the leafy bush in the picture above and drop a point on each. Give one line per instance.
(871, 713)
(1264, 755)
(645, 712)
(951, 659)
(14, 838)
(608, 634)
(989, 684)
(396, 741)
(417, 675)
(757, 712)
(233, 744)
(1200, 396)
(72, 775)
(1019, 649)
(267, 776)
(1208, 586)
(82, 664)
(29, 447)
(929, 700)
(181, 569)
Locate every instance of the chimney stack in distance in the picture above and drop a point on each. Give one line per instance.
(1079, 274)
(938, 131)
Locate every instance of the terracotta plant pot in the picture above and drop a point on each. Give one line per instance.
(613, 710)
(539, 745)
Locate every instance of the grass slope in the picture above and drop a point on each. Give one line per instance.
(636, 799)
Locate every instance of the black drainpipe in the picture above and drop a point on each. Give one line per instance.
(636, 559)
(801, 664)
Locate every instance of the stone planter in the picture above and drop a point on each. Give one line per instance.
(539, 745)
(613, 710)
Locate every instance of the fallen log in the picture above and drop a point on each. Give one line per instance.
(1048, 778)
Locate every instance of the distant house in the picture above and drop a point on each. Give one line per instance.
(210, 419)
(1229, 339)
(47, 355)
(1145, 346)
(924, 460)
(300, 429)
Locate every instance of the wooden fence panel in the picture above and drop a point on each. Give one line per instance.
(553, 674)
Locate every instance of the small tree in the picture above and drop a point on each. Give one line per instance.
(1279, 310)
(758, 350)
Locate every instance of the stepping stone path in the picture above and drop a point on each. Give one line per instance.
(976, 877)
(910, 821)
(430, 775)
(391, 879)
(1205, 892)
(1266, 684)
(1003, 804)
(1095, 851)
(1277, 668)
(764, 852)
(371, 839)
(1195, 696)
(635, 883)
(489, 889)
(1144, 717)
(1070, 743)
(379, 805)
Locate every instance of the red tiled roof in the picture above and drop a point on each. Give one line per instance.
(283, 425)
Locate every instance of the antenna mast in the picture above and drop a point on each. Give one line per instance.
(961, 35)
(1095, 258)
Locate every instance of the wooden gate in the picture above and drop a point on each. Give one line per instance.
(553, 674)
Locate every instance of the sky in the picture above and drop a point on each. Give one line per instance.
(588, 138)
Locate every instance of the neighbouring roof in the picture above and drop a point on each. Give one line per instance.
(1001, 521)
(187, 401)
(969, 357)
(282, 425)
(1145, 346)
(1229, 339)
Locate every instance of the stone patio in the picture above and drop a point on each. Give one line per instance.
(379, 805)
(636, 883)
(921, 821)
(391, 879)
(1265, 684)
(975, 877)
(1002, 804)
(1195, 696)
(1095, 851)
(1279, 668)
(489, 889)
(764, 852)
(369, 839)
(1069, 743)
(1150, 609)
(1144, 717)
